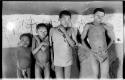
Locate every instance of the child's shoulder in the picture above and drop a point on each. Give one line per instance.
(89, 23)
(19, 49)
(23, 49)
(53, 29)
(108, 26)
(35, 36)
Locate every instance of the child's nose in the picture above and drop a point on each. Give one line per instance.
(99, 17)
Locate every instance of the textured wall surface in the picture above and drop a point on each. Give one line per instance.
(14, 25)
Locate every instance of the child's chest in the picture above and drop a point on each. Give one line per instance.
(58, 33)
(23, 53)
(96, 30)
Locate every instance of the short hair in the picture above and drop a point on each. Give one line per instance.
(29, 35)
(64, 12)
(98, 9)
(41, 25)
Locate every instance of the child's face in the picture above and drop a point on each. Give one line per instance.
(42, 32)
(99, 16)
(25, 41)
(65, 20)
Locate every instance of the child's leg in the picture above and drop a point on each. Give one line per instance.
(95, 66)
(59, 72)
(67, 71)
(104, 69)
(86, 68)
(47, 71)
(37, 71)
(29, 73)
(19, 73)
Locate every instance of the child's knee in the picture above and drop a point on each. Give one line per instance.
(105, 69)
(47, 73)
(59, 72)
(67, 72)
(95, 66)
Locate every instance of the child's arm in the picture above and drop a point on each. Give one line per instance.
(51, 48)
(111, 34)
(51, 44)
(52, 57)
(71, 42)
(34, 48)
(83, 35)
(74, 34)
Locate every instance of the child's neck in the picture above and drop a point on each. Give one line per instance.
(96, 22)
(63, 25)
(42, 38)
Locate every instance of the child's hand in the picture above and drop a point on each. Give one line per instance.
(43, 43)
(102, 55)
(79, 45)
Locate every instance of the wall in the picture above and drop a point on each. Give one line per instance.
(14, 25)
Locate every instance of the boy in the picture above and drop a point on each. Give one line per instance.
(61, 41)
(23, 56)
(40, 50)
(96, 37)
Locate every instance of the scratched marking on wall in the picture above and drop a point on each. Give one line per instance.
(27, 23)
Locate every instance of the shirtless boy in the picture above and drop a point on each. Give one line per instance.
(40, 50)
(23, 55)
(95, 33)
(61, 42)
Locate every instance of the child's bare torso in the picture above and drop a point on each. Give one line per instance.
(42, 57)
(96, 37)
(24, 57)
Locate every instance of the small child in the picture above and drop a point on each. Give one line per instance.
(40, 50)
(24, 56)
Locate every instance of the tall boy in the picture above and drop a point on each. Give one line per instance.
(61, 40)
(96, 34)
